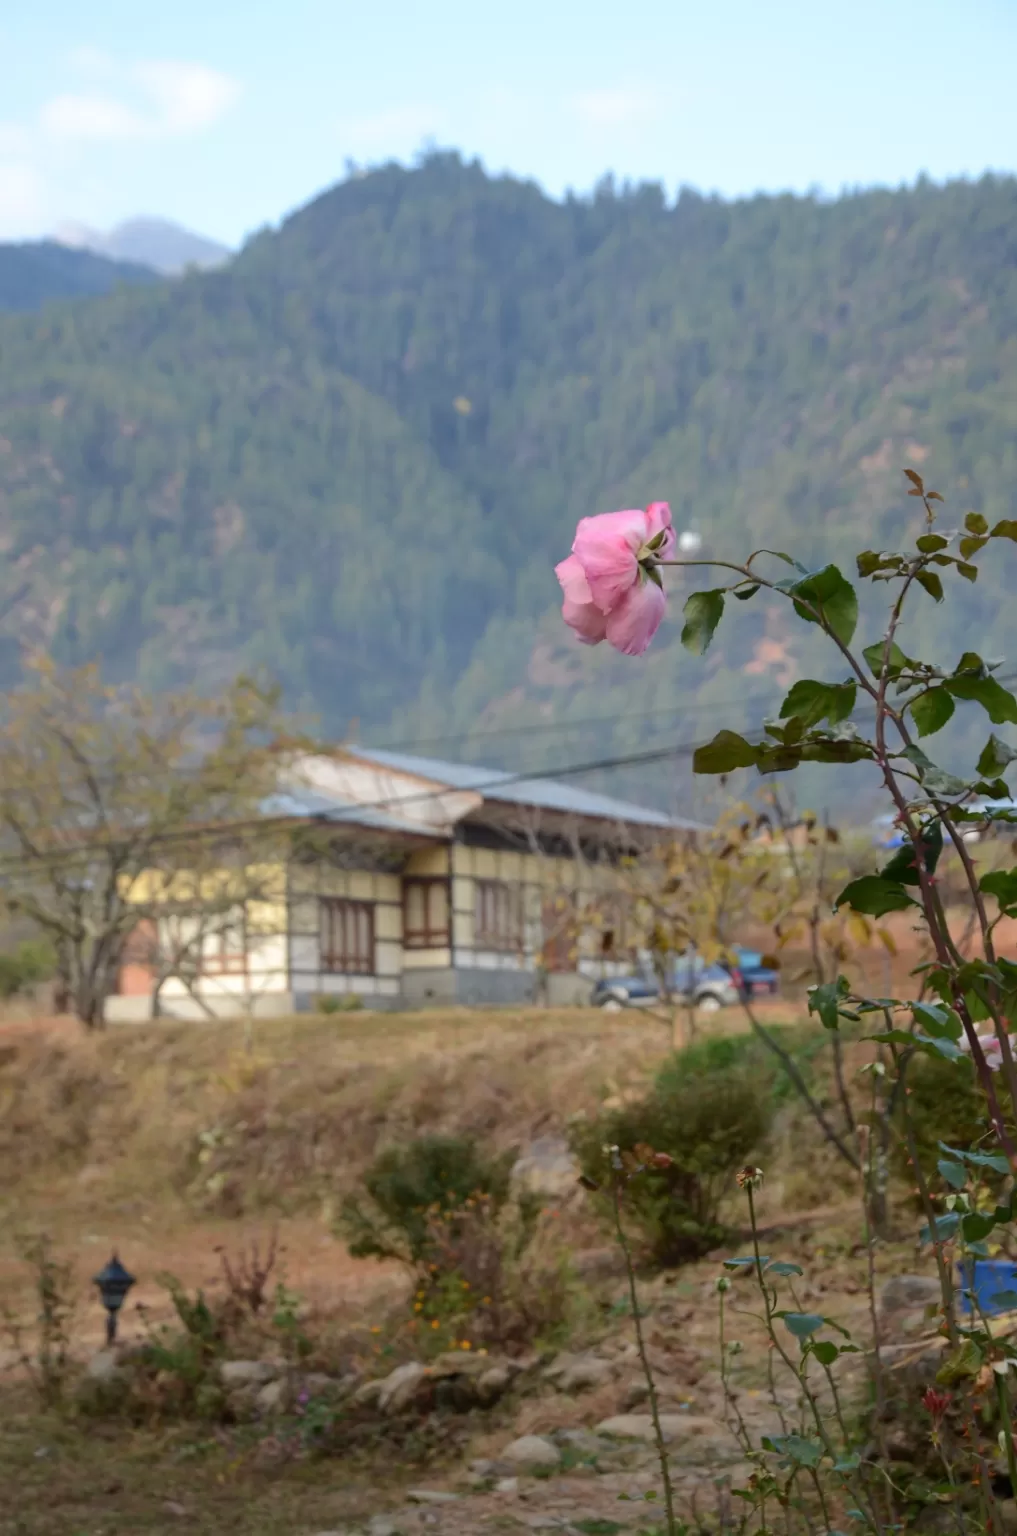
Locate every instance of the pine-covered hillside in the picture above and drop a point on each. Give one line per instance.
(353, 456)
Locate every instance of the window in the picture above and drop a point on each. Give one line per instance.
(223, 946)
(346, 931)
(425, 914)
(497, 916)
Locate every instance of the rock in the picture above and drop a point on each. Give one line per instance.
(547, 1167)
(246, 1373)
(634, 1393)
(431, 1496)
(173, 1507)
(909, 1293)
(532, 1453)
(582, 1440)
(575, 1373)
(367, 1395)
(105, 1368)
(272, 1397)
(400, 1388)
(493, 1382)
(482, 1467)
(381, 1525)
(507, 1485)
(674, 1426)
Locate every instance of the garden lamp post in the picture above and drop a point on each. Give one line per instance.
(114, 1281)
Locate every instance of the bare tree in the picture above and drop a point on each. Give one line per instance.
(108, 797)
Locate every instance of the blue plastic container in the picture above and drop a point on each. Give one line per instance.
(992, 1281)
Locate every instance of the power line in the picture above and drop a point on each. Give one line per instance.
(348, 815)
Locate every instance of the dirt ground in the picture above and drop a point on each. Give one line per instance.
(103, 1141)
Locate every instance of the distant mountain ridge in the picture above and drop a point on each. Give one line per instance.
(157, 243)
(34, 272)
(352, 456)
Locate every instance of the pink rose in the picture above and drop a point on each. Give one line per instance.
(612, 589)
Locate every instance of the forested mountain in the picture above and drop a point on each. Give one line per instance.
(353, 456)
(35, 271)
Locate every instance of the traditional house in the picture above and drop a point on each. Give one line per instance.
(412, 881)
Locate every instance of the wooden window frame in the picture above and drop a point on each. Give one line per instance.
(495, 894)
(427, 937)
(336, 960)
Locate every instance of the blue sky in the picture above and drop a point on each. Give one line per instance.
(227, 114)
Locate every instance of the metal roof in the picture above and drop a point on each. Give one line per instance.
(308, 804)
(516, 789)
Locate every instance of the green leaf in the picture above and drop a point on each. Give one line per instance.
(833, 597)
(749, 1263)
(868, 561)
(940, 1022)
(1007, 529)
(724, 753)
(995, 1160)
(825, 1351)
(874, 897)
(969, 572)
(932, 584)
(806, 1453)
(971, 546)
(782, 1268)
(903, 867)
(813, 702)
(703, 612)
(998, 702)
(1006, 1300)
(826, 999)
(897, 661)
(966, 1360)
(974, 522)
(945, 1227)
(801, 1324)
(954, 1173)
(1001, 883)
(931, 710)
(996, 757)
(930, 542)
(744, 593)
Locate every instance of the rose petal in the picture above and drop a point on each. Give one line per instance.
(632, 624)
(606, 548)
(573, 580)
(589, 623)
(658, 519)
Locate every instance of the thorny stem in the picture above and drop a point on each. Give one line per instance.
(945, 1283)
(739, 1429)
(800, 1375)
(879, 1384)
(651, 1385)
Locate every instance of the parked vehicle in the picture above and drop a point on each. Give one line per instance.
(760, 980)
(710, 986)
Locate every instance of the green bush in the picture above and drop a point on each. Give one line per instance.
(709, 1120)
(30, 962)
(407, 1188)
(944, 1103)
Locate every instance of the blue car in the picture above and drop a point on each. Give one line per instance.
(760, 980)
(711, 987)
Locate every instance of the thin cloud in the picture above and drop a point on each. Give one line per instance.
(625, 106)
(160, 99)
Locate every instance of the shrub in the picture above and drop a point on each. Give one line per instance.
(408, 1188)
(30, 962)
(945, 1103)
(708, 1122)
(448, 1210)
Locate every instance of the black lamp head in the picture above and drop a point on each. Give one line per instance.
(114, 1281)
